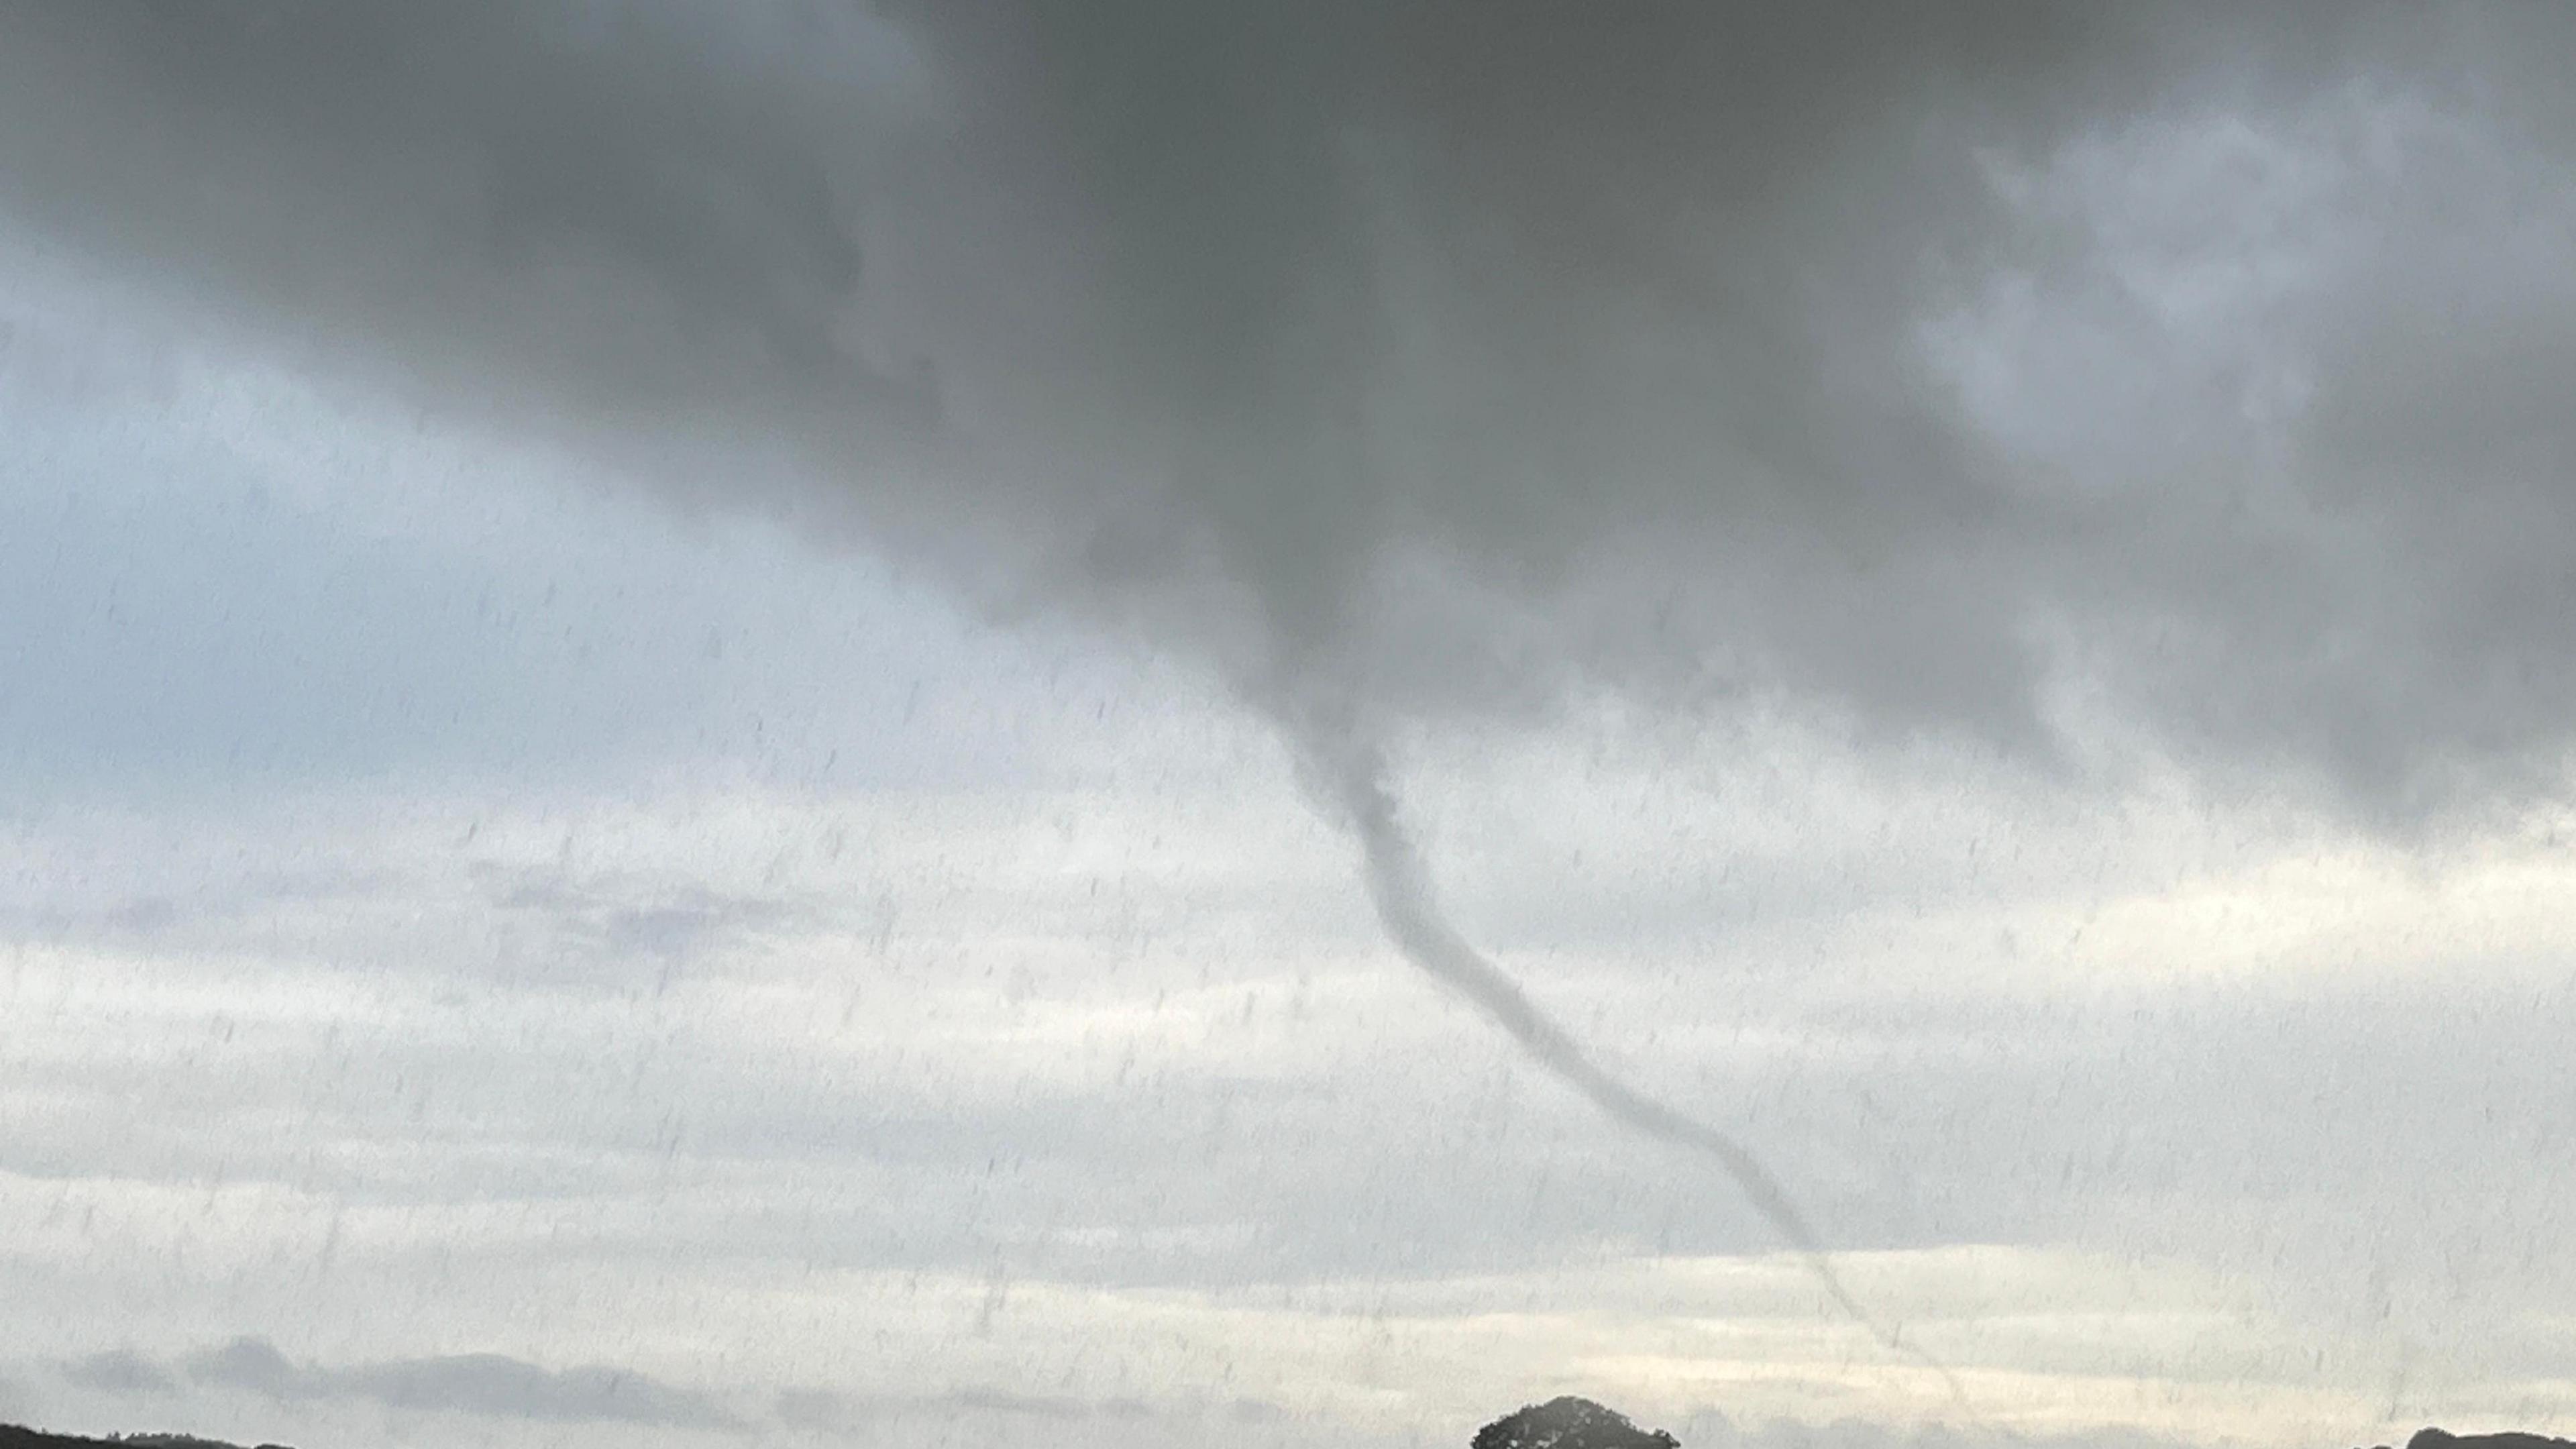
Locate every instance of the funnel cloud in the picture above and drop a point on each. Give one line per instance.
(1352, 777)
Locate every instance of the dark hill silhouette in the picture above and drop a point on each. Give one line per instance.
(1571, 1423)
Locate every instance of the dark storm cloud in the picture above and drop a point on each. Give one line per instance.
(487, 1384)
(1440, 355)
(496, 193)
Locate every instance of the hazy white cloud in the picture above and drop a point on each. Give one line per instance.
(1035, 1134)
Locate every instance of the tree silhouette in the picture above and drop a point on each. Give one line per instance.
(1570, 1423)
(2441, 1439)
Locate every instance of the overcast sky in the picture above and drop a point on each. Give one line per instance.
(691, 701)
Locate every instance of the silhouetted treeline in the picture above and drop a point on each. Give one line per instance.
(15, 1436)
(2443, 1439)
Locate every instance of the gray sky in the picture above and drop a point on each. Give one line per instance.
(666, 670)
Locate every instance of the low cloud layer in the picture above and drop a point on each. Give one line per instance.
(499, 1387)
(490, 1385)
(508, 1391)
(121, 1372)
